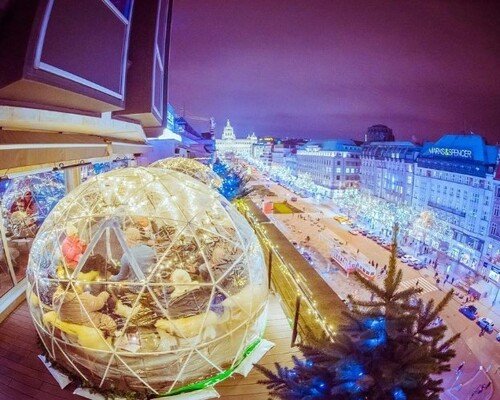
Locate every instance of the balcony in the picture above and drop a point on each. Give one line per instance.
(308, 302)
(446, 208)
(303, 309)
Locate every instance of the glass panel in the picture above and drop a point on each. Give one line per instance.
(5, 278)
(90, 170)
(143, 280)
(123, 6)
(26, 202)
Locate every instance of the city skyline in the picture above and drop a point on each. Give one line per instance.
(159, 239)
(422, 69)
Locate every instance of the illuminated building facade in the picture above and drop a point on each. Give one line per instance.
(387, 168)
(453, 181)
(263, 151)
(490, 263)
(332, 164)
(229, 146)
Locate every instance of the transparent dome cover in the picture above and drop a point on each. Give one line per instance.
(28, 200)
(143, 279)
(190, 167)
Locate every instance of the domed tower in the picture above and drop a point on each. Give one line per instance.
(379, 133)
(228, 133)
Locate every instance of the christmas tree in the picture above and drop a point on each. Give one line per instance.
(234, 181)
(389, 348)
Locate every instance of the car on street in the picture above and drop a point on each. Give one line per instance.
(418, 266)
(469, 311)
(400, 253)
(409, 259)
(307, 256)
(486, 324)
(353, 231)
(341, 218)
(294, 199)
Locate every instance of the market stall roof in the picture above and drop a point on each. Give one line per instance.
(21, 149)
(328, 303)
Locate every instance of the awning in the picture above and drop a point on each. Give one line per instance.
(21, 149)
(199, 150)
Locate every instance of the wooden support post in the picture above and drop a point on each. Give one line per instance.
(72, 177)
(296, 320)
(269, 267)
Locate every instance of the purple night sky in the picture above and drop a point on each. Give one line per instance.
(330, 69)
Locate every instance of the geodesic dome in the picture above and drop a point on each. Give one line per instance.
(190, 167)
(147, 280)
(28, 200)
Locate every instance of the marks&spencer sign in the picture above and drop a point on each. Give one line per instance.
(447, 152)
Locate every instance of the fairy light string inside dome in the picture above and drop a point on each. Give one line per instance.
(145, 280)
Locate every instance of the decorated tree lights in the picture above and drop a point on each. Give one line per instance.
(146, 281)
(234, 180)
(389, 348)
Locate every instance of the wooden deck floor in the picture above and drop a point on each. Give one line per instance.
(23, 376)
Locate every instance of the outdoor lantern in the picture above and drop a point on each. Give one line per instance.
(191, 167)
(146, 280)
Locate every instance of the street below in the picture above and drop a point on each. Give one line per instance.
(314, 231)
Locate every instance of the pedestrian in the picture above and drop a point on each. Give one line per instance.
(446, 278)
(452, 280)
(357, 251)
(482, 332)
(416, 283)
(460, 366)
(436, 274)
(438, 281)
(376, 265)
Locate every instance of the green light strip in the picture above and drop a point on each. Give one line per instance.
(216, 378)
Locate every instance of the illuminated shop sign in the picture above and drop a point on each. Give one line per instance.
(170, 118)
(443, 151)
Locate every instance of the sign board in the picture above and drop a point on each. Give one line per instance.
(170, 118)
(449, 152)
